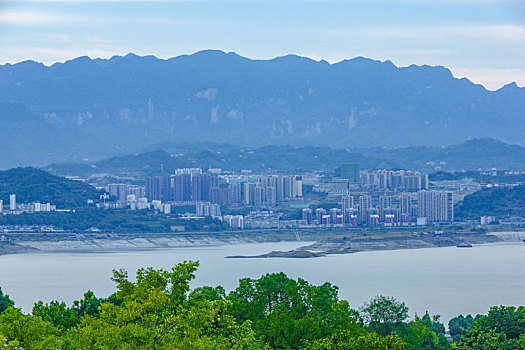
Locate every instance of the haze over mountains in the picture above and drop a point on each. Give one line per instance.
(165, 158)
(94, 108)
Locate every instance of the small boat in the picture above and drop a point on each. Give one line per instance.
(464, 245)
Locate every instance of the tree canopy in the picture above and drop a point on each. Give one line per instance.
(157, 309)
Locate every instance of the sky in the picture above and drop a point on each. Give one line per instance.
(483, 40)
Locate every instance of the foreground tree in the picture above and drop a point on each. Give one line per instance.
(503, 328)
(287, 313)
(89, 305)
(459, 325)
(5, 302)
(366, 341)
(57, 313)
(19, 331)
(155, 313)
(384, 315)
(425, 333)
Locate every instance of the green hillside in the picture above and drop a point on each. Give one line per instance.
(496, 201)
(31, 185)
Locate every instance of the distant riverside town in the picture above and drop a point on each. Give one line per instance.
(354, 198)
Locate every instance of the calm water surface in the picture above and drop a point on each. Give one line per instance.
(445, 281)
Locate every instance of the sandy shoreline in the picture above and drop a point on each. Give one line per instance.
(83, 243)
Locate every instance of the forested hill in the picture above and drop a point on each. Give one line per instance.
(470, 155)
(497, 201)
(31, 185)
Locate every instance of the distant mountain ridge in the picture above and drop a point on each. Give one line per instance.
(165, 158)
(94, 108)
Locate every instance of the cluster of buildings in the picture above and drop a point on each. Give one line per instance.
(401, 180)
(191, 185)
(126, 192)
(403, 210)
(380, 197)
(266, 190)
(208, 209)
(19, 208)
(379, 180)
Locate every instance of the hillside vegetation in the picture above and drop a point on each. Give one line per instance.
(496, 201)
(32, 185)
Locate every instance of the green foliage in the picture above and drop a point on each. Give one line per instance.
(56, 313)
(426, 333)
(31, 185)
(155, 312)
(27, 332)
(158, 310)
(504, 319)
(384, 315)
(365, 341)
(112, 221)
(90, 305)
(476, 339)
(459, 325)
(444, 175)
(5, 302)
(495, 201)
(288, 313)
(477, 176)
(503, 328)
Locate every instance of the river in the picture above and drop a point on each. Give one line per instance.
(444, 281)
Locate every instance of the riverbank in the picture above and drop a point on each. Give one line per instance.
(97, 242)
(326, 242)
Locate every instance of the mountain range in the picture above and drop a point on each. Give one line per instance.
(93, 108)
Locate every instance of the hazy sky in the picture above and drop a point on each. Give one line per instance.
(481, 39)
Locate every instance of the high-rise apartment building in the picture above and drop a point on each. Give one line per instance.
(307, 216)
(181, 187)
(365, 203)
(222, 196)
(118, 191)
(347, 202)
(237, 189)
(208, 209)
(137, 191)
(405, 204)
(12, 202)
(435, 206)
(154, 188)
(350, 171)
